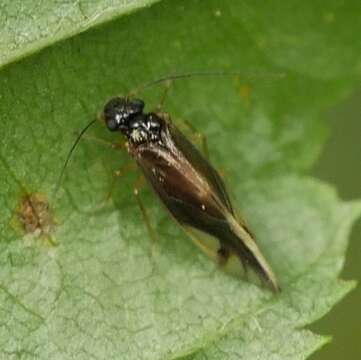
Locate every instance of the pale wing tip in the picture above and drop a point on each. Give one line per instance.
(274, 286)
(270, 278)
(260, 265)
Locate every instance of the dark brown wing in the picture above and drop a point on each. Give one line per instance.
(194, 194)
(189, 187)
(192, 154)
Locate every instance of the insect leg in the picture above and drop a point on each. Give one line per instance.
(121, 171)
(130, 166)
(152, 233)
(120, 146)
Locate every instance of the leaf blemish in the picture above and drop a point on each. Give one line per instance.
(35, 216)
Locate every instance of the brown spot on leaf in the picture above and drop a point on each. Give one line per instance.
(35, 216)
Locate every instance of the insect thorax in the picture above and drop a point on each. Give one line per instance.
(145, 128)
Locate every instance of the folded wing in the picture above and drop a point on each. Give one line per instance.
(194, 193)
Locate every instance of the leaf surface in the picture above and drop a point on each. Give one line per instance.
(99, 293)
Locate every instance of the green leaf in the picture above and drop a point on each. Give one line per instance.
(98, 293)
(28, 26)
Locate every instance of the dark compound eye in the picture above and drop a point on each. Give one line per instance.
(136, 106)
(112, 124)
(120, 114)
(113, 107)
(114, 103)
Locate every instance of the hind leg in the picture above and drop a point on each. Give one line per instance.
(151, 231)
(126, 168)
(117, 146)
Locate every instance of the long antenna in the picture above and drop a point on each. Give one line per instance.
(78, 138)
(204, 74)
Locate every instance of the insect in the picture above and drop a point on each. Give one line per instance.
(189, 187)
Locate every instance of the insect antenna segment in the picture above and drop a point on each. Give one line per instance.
(70, 153)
